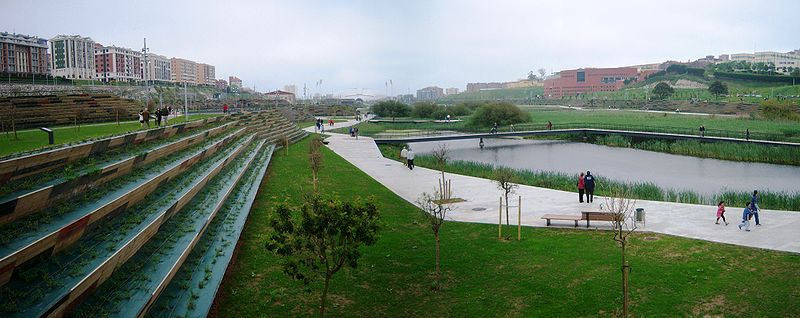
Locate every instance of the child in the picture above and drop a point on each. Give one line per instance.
(746, 218)
(721, 212)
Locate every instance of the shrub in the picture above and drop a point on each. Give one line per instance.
(775, 109)
(391, 108)
(502, 113)
(663, 90)
(757, 77)
(424, 109)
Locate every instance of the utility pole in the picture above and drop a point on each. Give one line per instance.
(144, 73)
(185, 102)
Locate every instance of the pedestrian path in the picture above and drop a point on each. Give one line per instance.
(780, 229)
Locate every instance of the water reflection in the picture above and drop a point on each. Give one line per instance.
(704, 176)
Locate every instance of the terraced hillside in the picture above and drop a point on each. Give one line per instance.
(54, 110)
(104, 228)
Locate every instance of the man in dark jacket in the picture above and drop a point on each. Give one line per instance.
(588, 183)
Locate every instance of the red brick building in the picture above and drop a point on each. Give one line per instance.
(588, 80)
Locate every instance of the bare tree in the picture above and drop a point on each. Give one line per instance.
(442, 154)
(435, 207)
(542, 72)
(315, 159)
(622, 209)
(506, 181)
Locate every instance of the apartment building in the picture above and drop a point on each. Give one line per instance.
(23, 54)
(780, 60)
(430, 93)
(235, 82)
(588, 80)
(114, 63)
(183, 71)
(205, 74)
(159, 68)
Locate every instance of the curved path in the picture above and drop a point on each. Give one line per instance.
(780, 229)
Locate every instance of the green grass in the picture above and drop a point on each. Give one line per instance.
(28, 140)
(550, 273)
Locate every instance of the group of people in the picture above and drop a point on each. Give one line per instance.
(320, 125)
(586, 183)
(750, 211)
(407, 157)
(354, 132)
(159, 115)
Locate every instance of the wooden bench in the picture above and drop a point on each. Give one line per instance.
(549, 217)
(596, 216)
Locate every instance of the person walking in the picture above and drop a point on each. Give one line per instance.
(721, 212)
(747, 134)
(702, 131)
(141, 119)
(403, 155)
(355, 132)
(754, 206)
(746, 215)
(588, 183)
(146, 116)
(581, 188)
(549, 125)
(494, 128)
(224, 108)
(158, 118)
(410, 157)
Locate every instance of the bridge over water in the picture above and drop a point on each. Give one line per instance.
(581, 131)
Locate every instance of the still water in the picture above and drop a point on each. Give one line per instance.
(704, 176)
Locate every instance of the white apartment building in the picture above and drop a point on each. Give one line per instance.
(781, 60)
(159, 68)
(118, 64)
(72, 57)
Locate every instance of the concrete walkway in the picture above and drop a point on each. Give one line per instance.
(780, 229)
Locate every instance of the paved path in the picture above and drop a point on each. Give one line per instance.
(780, 229)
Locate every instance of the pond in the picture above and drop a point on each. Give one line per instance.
(700, 175)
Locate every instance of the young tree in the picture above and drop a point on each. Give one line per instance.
(435, 208)
(718, 88)
(441, 154)
(542, 72)
(315, 159)
(663, 90)
(506, 182)
(624, 223)
(325, 238)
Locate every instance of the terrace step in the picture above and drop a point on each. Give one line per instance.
(54, 237)
(39, 162)
(80, 272)
(161, 258)
(205, 267)
(24, 202)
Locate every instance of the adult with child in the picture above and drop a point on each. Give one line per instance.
(721, 212)
(588, 183)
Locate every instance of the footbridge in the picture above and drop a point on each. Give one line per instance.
(577, 131)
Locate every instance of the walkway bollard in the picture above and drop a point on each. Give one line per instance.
(49, 134)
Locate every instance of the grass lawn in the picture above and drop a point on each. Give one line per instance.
(551, 272)
(34, 138)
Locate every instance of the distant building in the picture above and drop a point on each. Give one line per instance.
(205, 74)
(523, 84)
(22, 54)
(475, 87)
(183, 71)
(780, 60)
(290, 88)
(430, 93)
(159, 68)
(221, 84)
(588, 80)
(281, 95)
(235, 82)
(724, 57)
(117, 63)
(73, 57)
(406, 98)
(451, 91)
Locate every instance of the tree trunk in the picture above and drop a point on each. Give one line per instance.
(507, 221)
(324, 296)
(624, 284)
(438, 273)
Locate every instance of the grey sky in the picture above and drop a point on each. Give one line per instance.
(363, 44)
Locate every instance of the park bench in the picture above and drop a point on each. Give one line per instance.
(596, 216)
(549, 217)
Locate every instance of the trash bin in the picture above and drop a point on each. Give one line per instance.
(640, 215)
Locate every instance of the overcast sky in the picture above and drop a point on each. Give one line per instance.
(364, 44)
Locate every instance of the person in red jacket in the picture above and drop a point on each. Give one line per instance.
(581, 188)
(225, 108)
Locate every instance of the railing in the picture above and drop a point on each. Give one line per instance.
(742, 134)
